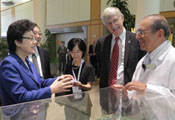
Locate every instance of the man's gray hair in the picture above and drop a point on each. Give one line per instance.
(110, 12)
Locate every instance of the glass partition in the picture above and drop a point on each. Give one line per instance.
(104, 104)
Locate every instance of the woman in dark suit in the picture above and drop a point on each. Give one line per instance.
(20, 81)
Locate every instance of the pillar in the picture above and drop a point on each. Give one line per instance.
(146, 7)
(39, 9)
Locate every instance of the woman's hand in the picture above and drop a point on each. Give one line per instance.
(87, 86)
(77, 84)
(61, 84)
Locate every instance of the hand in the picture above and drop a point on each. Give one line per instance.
(118, 86)
(77, 83)
(136, 85)
(61, 84)
(34, 108)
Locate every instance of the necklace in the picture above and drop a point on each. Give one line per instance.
(75, 67)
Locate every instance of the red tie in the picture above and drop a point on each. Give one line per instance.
(114, 64)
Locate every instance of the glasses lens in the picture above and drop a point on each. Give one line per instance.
(140, 32)
(76, 52)
(39, 33)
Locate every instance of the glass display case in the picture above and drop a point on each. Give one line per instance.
(103, 104)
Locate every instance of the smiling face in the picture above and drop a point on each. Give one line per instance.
(115, 25)
(37, 33)
(149, 39)
(27, 46)
(76, 53)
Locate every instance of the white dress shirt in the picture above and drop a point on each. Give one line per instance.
(121, 44)
(159, 74)
(38, 60)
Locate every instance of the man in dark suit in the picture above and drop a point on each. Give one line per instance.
(92, 55)
(62, 51)
(42, 62)
(42, 55)
(128, 53)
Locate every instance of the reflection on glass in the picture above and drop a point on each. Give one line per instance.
(103, 104)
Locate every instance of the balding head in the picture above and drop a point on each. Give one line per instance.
(159, 22)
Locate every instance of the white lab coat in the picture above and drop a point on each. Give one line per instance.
(159, 76)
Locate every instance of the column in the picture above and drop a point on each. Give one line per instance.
(95, 29)
(146, 7)
(39, 9)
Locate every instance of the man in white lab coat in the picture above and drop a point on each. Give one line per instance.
(155, 72)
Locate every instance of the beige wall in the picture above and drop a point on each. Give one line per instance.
(24, 11)
(66, 11)
(5, 21)
(103, 5)
(165, 5)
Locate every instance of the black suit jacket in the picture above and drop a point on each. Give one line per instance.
(45, 62)
(91, 49)
(132, 55)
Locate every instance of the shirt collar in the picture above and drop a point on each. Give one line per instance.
(122, 35)
(159, 50)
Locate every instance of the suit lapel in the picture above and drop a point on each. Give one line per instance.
(30, 73)
(107, 49)
(24, 68)
(128, 43)
(41, 54)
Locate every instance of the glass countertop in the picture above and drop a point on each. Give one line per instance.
(103, 104)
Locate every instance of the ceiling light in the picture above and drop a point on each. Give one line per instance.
(8, 3)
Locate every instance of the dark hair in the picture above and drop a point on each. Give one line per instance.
(16, 31)
(35, 25)
(160, 22)
(79, 42)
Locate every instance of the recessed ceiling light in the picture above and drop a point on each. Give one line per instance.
(7, 2)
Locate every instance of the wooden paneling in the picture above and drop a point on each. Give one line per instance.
(170, 14)
(88, 42)
(13, 13)
(95, 9)
(95, 32)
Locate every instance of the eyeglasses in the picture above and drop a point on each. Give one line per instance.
(39, 33)
(142, 32)
(76, 52)
(34, 39)
(114, 21)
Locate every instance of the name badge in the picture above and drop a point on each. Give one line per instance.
(150, 66)
(77, 92)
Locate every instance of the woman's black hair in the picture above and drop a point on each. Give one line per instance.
(16, 31)
(79, 42)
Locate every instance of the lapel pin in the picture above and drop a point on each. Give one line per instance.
(129, 41)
